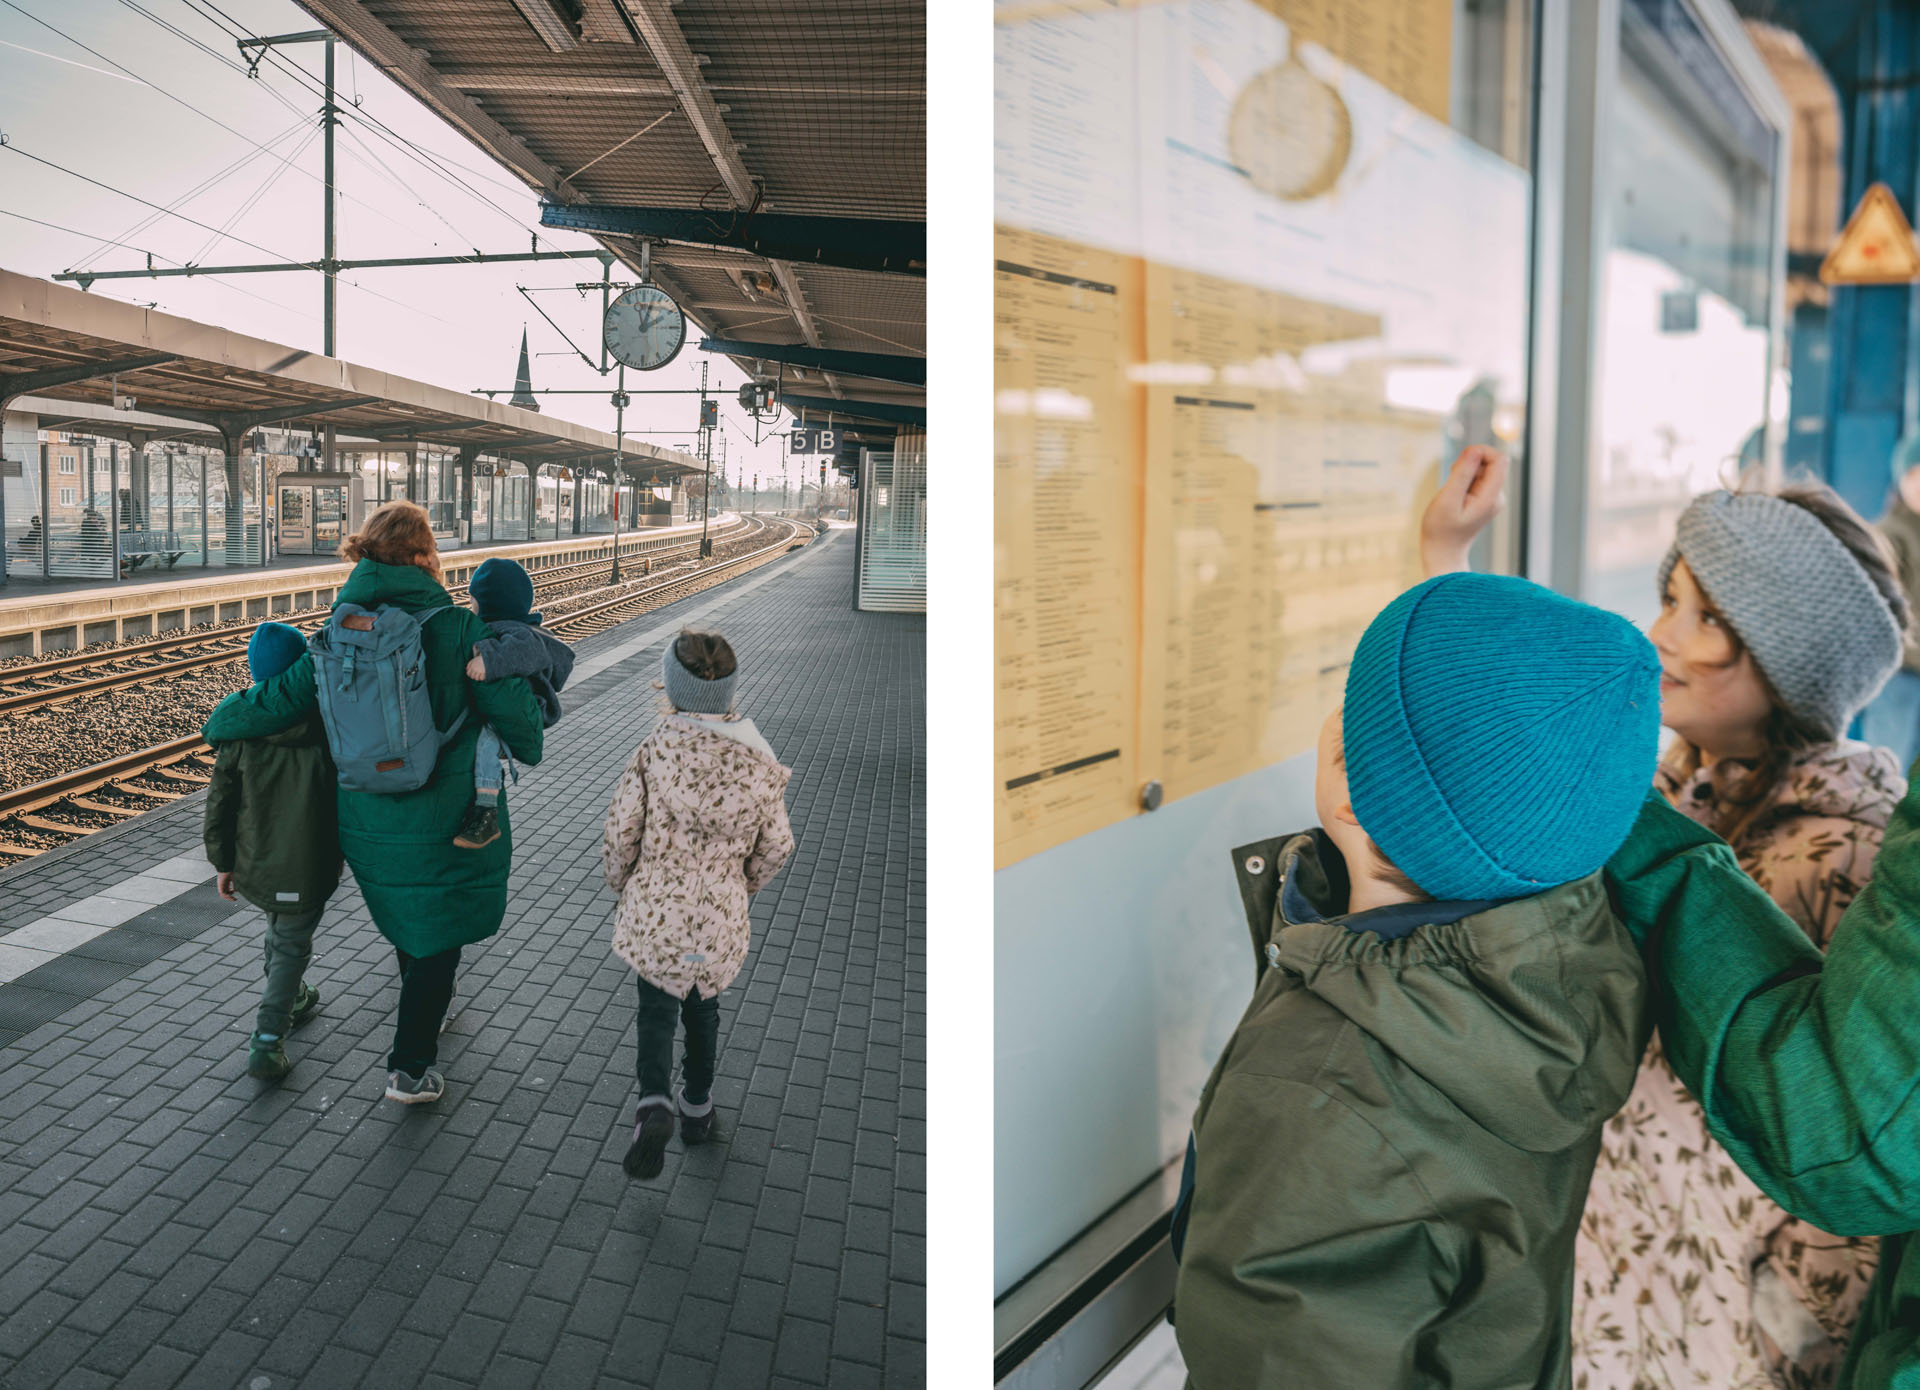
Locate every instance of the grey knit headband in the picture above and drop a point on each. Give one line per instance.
(687, 692)
(1815, 623)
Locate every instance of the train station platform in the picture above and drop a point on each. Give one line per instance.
(172, 1222)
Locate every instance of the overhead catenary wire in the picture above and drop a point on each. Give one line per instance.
(172, 212)
(190, 194)
(235, 29)
(75, 231)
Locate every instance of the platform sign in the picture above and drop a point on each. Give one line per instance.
(814, 441)
(1877, 246)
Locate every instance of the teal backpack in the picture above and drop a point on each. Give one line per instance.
(371, 675)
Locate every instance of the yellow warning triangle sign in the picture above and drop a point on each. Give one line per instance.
(1877, 247)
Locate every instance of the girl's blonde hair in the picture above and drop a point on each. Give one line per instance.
(398, 533)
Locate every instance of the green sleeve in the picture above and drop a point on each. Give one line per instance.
(223, 809)
(266, 708)
(1806, 1070)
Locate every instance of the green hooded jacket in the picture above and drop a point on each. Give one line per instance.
(1809, 1071)
(271, 822)
(1393, 1151)
(425, 894)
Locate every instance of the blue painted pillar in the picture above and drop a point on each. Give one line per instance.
(1875, 386)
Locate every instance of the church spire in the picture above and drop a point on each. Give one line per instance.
(523, 383)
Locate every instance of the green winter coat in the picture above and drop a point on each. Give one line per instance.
(1809, 1071)
(426, 895)
(271, 821)
(1393, 1151)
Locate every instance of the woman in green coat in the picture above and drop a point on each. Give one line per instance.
(428, 897)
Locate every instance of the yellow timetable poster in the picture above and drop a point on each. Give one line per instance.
(1066, 540)
(1280, 519)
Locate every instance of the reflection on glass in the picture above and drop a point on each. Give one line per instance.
(1260, 267)
(1683, 370)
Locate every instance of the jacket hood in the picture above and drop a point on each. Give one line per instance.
(1846, 779)
(406, 586)
(709, 757)
(305, 734)
(741, 731)
(1527, 1014)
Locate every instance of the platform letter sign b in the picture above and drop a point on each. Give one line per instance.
(814, 441)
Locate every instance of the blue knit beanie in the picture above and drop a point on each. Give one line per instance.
(1499, 738)
(272, 648)
(502, 589)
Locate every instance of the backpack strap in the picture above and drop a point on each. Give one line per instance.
(446, 734)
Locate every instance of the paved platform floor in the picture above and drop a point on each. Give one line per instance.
(166, 1221)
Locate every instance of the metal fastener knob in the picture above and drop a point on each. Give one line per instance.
(1150, 796)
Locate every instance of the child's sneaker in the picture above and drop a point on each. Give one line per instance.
(416, 1090)
(696, 1122)
(305, 1004)
(480, 829)
(653, 1126)
(267, 1059)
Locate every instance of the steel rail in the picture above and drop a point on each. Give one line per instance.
(232, 647)
(24, 800)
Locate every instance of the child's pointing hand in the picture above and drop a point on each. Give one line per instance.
(1460, 511)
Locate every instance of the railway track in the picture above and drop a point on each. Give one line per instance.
(54, 680)
(71, 805)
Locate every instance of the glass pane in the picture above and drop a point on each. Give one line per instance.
(1261, 269)
(1682, 380)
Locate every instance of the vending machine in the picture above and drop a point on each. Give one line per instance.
(316, 510)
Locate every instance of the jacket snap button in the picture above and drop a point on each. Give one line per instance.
(1273, 954)
(1256, 865)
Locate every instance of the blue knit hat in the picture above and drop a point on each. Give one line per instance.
(272, 648)
(503, 589)
(1499, 738)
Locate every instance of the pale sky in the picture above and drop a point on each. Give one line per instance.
(455, 326)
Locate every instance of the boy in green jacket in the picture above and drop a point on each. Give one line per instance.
(1389, 1162)
(272, 833)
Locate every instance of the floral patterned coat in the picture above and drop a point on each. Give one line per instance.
(1685, 1275)
(697, 826)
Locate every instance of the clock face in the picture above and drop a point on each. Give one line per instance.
(1290, 133)
(645, 329)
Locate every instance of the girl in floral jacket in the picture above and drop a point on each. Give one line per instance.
(1781, 616)
(697, 826)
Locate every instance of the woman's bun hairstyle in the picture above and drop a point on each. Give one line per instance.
(398, 533)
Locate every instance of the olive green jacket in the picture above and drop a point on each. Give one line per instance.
(1809, 1071)
(270, 819)
(425, 894)
(1393, 1151)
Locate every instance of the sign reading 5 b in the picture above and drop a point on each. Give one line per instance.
(814, 441)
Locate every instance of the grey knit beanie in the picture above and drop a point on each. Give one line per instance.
(1815, 623)
(691, 695)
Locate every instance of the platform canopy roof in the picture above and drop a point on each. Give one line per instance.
(61, 344)
(772, 153)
